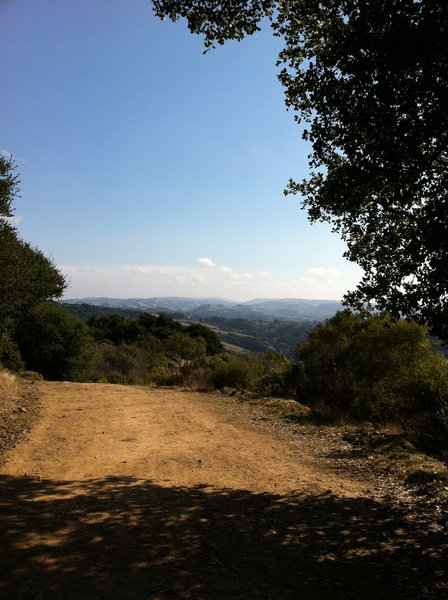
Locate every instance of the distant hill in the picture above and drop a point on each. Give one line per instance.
(253, 326)
(259, 309)
(84, 311)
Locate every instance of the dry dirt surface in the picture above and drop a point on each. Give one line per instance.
(155, 494)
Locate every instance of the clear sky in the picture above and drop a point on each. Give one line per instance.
(150, 169)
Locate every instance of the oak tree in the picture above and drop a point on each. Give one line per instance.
(27, 276)
(370, 81)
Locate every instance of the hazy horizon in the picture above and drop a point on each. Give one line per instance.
(230, 300)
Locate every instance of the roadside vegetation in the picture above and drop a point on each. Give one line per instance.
(353, 368)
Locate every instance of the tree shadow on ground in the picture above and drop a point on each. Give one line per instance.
(128, 539)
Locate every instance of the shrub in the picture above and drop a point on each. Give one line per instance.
(237, 371)
(277, 375)
(181, 347)
(31, 375)
(375, 368)
(161, 375)
(326, 362)
(8, 384)
(121, 359)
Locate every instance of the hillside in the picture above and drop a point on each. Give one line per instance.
(288, 309)
(265, 325)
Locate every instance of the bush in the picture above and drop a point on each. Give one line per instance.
(277, 376)
(237, 371)
(30, 375)
(10, 354)
(181, 347)
(327, 360)
(8, 384)
(161, 375)
(375, 368)
(117, 378)
(121, 359)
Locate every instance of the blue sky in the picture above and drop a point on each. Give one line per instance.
(150, 169)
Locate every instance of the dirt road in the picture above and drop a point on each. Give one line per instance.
(126, 493)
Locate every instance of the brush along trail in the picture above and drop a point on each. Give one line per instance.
(136, 493)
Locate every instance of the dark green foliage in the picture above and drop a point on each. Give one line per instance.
(157, 349)
(218, 22)
(327, 361)
(27, 277)
(85, 311)
(54, 343)
(9, 353)
(234, 371)
(9, 186)
(122, 359)
(115, 328)
(213, 345)
(255, 336)
(268, 374)
(373, 367)
(120, 330)
(150, 349)
(117, 364)
(180, 346)
(370, 79)
(160, 326)
(278, 375)
(150, 346)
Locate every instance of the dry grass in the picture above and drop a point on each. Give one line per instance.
(9, 386)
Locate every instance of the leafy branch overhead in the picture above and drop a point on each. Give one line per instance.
(370, 82)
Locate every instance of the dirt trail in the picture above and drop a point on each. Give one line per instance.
(133, 493)
(91, 431)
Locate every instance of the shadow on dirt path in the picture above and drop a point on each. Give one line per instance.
(129, 539)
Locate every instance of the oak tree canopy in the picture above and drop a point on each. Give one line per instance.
(27, 276)
(369, 80)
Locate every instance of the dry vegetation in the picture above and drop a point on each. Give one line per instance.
(8, 385)
(17, 409)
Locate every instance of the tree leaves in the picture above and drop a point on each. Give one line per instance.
(371, 80)
(27, 277)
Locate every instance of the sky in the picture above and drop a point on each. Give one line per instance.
(149, 168)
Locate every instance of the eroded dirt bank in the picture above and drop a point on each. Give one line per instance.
(132, 493)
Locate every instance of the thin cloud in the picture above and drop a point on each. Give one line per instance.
(147, 281)
(14, 220)
(207, 262)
